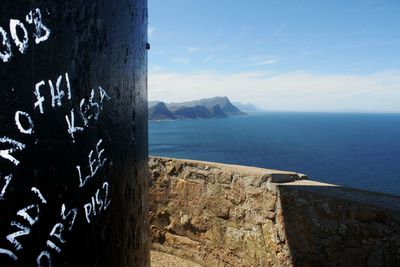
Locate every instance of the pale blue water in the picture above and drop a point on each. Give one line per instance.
(355, 150)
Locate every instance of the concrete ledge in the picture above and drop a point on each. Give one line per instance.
(276, 176)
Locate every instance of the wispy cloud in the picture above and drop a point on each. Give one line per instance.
(231, 60)
(207, 59)
(297, 91)
(361, 31)
(279, 30)
(264, 60)
(192, 49)
(217, 48)
(181, 60)
(362, 45)
(151, 31)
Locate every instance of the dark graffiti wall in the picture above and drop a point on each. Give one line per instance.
(73, 133)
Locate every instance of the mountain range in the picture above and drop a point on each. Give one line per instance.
(215, 107)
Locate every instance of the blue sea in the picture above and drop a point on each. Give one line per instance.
(354, 150)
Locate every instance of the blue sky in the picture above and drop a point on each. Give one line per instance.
(281, 55)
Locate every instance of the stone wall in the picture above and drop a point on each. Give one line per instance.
(226, 215)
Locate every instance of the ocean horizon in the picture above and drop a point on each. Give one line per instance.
(358, 150)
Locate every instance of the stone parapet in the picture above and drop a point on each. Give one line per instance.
(226, 215)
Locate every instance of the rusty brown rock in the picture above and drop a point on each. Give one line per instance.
(237, 194)
(224, 177)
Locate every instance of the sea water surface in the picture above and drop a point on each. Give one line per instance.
(355, 150)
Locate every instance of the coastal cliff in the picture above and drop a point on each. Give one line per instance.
(225, 215)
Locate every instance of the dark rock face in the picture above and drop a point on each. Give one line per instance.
(73, 133)
(217, 112)
(160, 112)
(230, 109)
(216, 107)
(192, 112)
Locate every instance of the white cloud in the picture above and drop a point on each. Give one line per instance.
(296, 91)
(151, 31)
(192, 49)
(181, 60)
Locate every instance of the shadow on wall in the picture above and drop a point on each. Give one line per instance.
(326, 226)
(224, 215)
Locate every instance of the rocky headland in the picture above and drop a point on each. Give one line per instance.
(215, 107)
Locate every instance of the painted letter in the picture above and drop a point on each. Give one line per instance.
(57, 231)
(83, 110)
(99, 153)
(51, 245)
(24, 214)
(22, 45)
(3, 190)
(19, 125)
(94, 106)
(106, 204)
(82, 182)
(72, 213)
(37, 192)
(8, 253)
(99, 201)
(35, 17)
(92, 163)
(88, 210)
(57, 94)
(103, 95)
(39, 259)
(40, 99)
(7, 53)
(68, 86)
(94, 206)
(71, 125)
(6, 153)
(12, 237)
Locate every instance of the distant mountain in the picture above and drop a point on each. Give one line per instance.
(247, 107)
(222, 101)
(216, 107)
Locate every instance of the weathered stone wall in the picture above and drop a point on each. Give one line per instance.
(225, 215)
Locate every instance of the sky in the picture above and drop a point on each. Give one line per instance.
(311, 55)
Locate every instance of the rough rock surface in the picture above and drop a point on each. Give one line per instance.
(224, 215)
